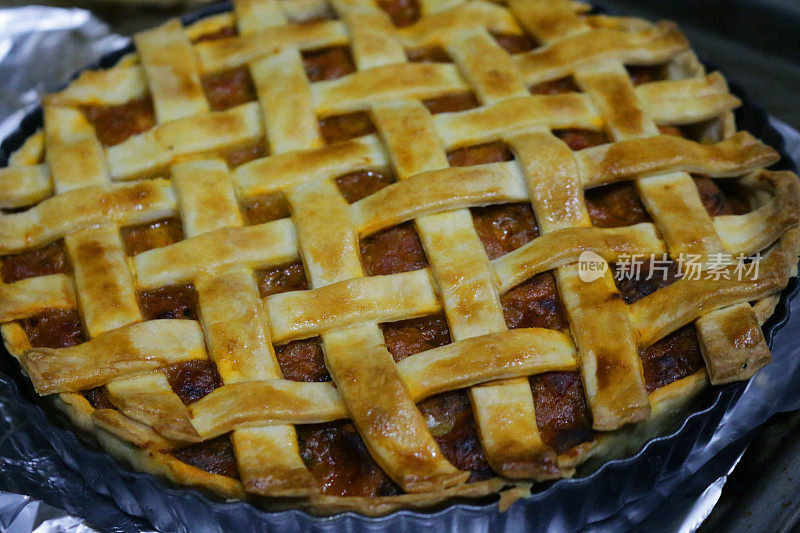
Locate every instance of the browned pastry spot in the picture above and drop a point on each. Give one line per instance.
(229, 88)
(175, 301)
(723, 197)
(283, 278)
(534, 304)
(98, 398)
(302, 360)
(328, 63)
(54, 328)
(451, 422)
(615, 205)
(451, 103)
(143, 237)
(494, 152)
(261, 209)
(393, 250)
(337, 457)
(214, 456)
(345, 127)
(578, 139)
(115, 123)
(559, 86)
(358, 185)
(402, 12)
(241, 155)
(193, 380)
(222, 33)
(408, 337)
(641, 74)
(504, 228)
(674, 357)
(50, 259)
(430, 54)
(562, 415)
(515, 44)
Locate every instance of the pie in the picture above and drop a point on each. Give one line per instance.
(328, 255)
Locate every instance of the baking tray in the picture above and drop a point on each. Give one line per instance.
(634, 484)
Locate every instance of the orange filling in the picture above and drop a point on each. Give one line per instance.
(516, 44)
(143, 237)
(51, 259)
(215, 456)
(495, 152)
(174, 302)
(328, 63)
(113, 124)
(266, 208)
(451, 103)
(345, 127)
(401, 12)
(193, 380)
(228, 89)
(54, 328)
(240, 156)
(429, 54)
(392, 251)
(358, 185)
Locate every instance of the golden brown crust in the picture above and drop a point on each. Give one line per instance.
(455, 366)
(742, 332)
(68, 177)
(122, 352)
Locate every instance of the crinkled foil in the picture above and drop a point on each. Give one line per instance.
(40, 50)
(43, 468)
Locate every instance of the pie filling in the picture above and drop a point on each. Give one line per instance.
(143, 237)
(114, 124)
(334, 452)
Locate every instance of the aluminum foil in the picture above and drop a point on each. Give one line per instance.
(49, 481)
(40, 50)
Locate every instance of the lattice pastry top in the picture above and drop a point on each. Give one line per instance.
(333, 251)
